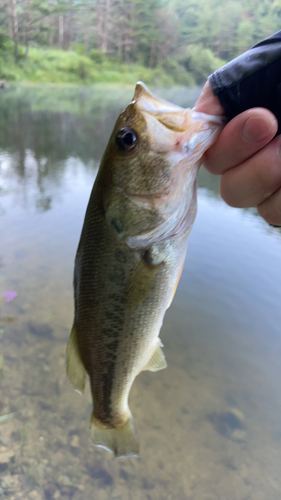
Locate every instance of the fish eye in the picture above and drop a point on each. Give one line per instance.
(126, 139)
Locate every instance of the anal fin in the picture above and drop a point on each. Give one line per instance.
(157, 360)
(74, 367)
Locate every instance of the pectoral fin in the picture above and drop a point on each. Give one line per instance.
(74, 367)
(176, 286)
(140, 284)
(157, 360)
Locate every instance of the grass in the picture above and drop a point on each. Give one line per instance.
(46, 65)
(6, 417)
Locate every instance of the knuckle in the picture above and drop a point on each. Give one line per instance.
(229, 193)
(211, 162)
(270, 210)
(267, 215)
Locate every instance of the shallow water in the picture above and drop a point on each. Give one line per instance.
(210, 424)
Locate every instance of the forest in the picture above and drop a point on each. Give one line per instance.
(118, 41)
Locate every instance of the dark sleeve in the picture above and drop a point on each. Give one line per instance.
(251, 80)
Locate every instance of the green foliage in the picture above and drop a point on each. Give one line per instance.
(59, 66)
(245, 35)
(226, 28)
(79, 48)
(199, 62)
(6, 44)
(173, 41)
(180, 75)
(97, 56)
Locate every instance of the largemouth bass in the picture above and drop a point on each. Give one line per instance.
(131, 254)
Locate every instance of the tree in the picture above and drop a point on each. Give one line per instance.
(15, 26)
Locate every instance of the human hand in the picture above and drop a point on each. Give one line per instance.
(247, 158)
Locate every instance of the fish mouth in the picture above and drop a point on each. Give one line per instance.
(171, 115)
(146, 100)
(171, 128)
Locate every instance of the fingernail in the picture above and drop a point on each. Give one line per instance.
(257, 128)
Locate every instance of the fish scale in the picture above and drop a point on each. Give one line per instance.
(131, 254)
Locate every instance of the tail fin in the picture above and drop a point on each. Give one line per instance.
(122, 440)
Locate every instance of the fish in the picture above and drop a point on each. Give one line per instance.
(131, 254)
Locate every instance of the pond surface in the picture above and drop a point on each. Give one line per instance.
(210, 424)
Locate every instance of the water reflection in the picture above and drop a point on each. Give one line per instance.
(209, 425)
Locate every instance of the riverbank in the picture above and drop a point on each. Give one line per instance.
(75, 66)
(69, 67)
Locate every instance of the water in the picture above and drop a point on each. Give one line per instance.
(210, 424)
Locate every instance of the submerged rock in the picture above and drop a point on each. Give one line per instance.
(40, 329)
(229, 423)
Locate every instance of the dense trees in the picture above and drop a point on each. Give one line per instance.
(191, 35)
